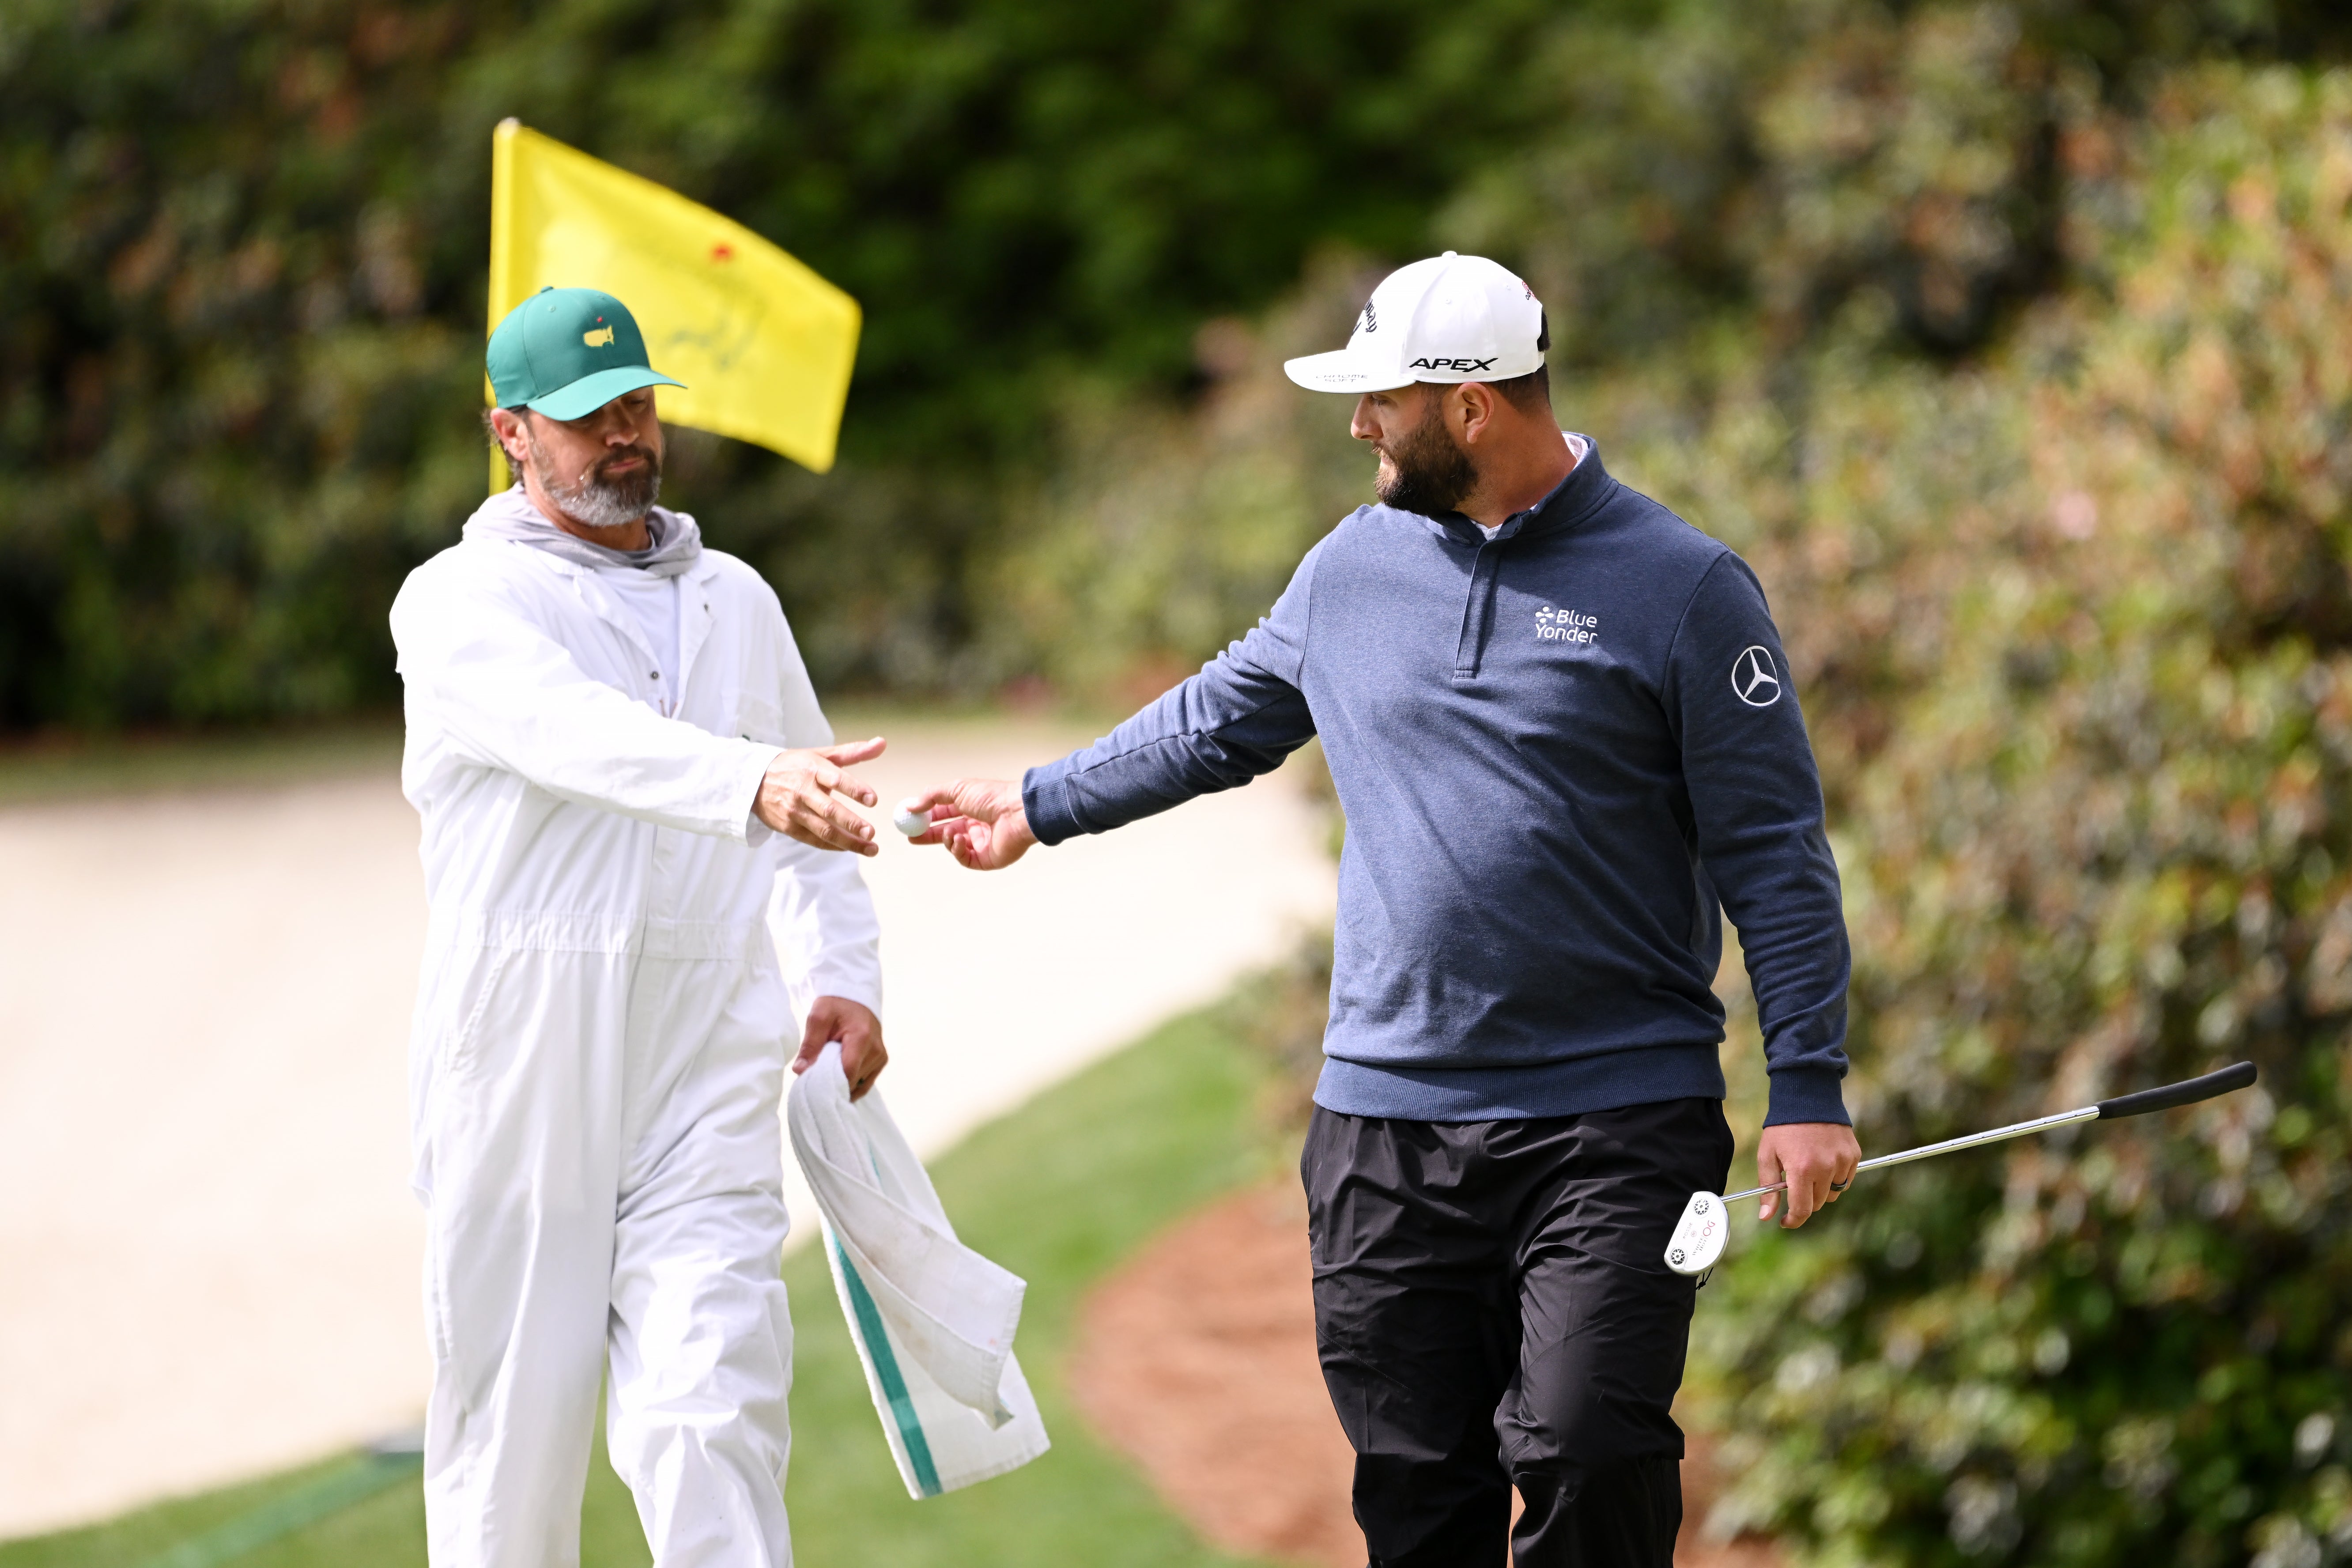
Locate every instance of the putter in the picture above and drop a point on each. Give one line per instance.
(1700, 1235)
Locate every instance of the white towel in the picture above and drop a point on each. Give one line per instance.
(932, 1320)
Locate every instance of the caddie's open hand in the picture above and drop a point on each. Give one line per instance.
(980, 821)
(854, 1024)
(1815, 1158)
(801, 796)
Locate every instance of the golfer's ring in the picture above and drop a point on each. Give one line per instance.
(1839, 1186)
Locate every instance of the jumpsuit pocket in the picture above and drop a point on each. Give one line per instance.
(757, 719)
(436, 1303)
(461, 1045)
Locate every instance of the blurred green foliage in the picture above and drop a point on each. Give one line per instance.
(2071, 617)
(1719, 195)
(243, 243)
(2012, 342)
(2093, 744)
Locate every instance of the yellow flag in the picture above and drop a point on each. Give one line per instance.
(763, 345)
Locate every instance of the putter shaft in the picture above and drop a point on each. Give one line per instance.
(1700, 1235)
(2017, 1130)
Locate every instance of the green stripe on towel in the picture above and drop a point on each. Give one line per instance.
(894, 1383)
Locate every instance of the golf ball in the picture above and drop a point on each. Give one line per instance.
(912, 819)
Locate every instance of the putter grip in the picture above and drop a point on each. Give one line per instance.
(2239, 1075)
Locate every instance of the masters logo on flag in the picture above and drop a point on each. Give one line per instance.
(763, 345)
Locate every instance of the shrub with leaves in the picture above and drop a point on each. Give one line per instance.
(2072, 624)
(244, 245)
(2096, 819)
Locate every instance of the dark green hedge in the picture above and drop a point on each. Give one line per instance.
(2009, 341)
(242, 248)
(242, 245)
(2071, 611)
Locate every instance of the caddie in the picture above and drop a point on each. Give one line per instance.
(642, 866)
(1563, 733)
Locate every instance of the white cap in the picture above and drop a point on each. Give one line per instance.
(1450, 318)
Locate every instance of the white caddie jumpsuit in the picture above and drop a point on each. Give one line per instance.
(600, 1044)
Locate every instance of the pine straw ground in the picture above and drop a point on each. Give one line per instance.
(1197, 1358)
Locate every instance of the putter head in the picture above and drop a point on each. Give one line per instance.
(1699, 1235)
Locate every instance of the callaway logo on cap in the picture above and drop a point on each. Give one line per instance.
(1450, 318)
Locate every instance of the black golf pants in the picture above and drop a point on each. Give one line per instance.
(1492, 1310)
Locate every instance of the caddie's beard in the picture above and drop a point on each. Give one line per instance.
(1426, 472)
(598, 500)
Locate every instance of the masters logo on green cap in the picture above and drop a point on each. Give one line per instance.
(565, 352)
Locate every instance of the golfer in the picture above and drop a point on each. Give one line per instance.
(625, 782)
(1563, 731)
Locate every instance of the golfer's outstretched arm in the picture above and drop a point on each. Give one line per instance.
(1238, 718)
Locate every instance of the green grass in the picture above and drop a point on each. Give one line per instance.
(1060, 1192)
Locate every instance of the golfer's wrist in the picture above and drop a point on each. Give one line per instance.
(1048, 813)
(1807, 1094)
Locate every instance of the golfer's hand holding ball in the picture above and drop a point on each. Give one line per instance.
(980, 821)
(799, 796)
(1815, 1158)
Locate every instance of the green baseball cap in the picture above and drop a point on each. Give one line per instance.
(568, 351)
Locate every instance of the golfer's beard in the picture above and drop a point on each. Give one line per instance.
(1426, 472)
(594, 501)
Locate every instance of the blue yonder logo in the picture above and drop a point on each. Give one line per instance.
(1565, 625)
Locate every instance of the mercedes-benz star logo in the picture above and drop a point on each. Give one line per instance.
(1753, 679)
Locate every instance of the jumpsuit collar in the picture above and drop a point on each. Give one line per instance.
(677, 539)
(510, 516)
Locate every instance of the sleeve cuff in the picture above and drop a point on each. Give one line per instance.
(1045, 802)
(1806, 1094)
(866, 992)
(757, 760)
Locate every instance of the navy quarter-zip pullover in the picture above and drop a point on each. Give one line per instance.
(1558, 752)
